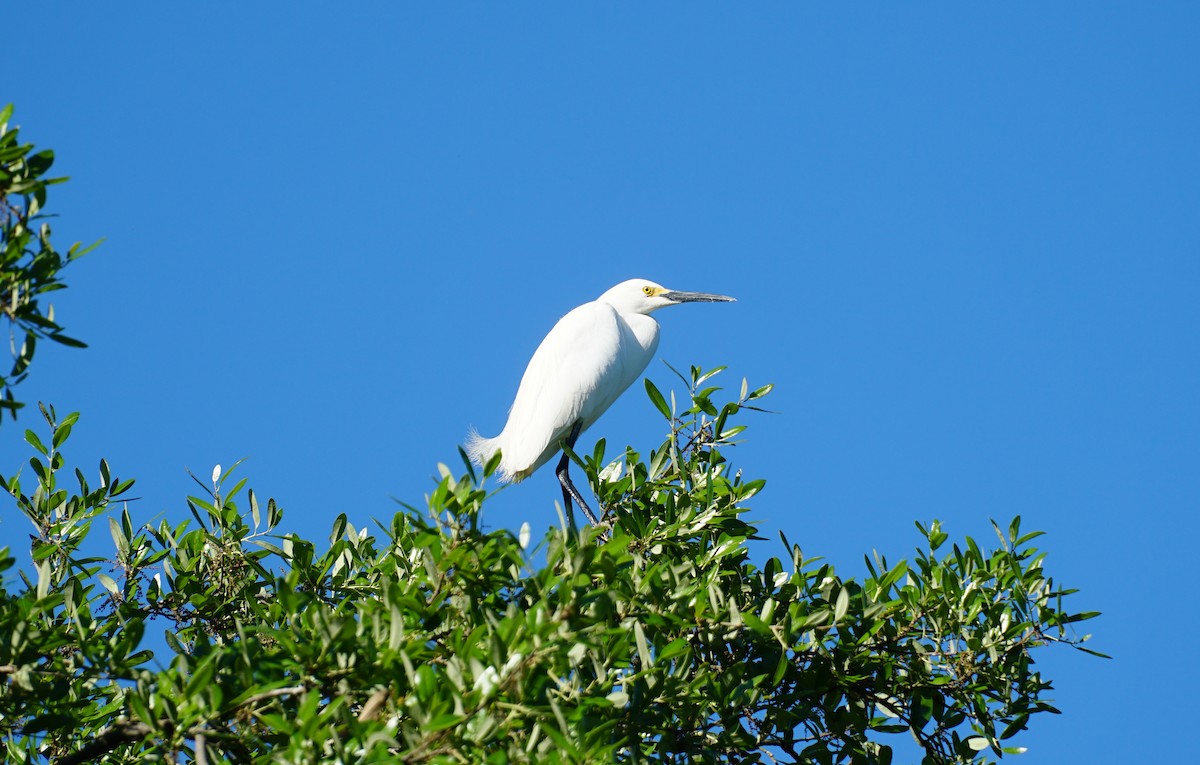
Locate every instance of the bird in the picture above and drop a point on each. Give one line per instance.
(590, 357)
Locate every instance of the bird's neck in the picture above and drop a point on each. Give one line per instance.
(645, 329)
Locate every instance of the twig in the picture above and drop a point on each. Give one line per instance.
(288, 691)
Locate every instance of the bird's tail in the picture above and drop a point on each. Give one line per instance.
(480, 449)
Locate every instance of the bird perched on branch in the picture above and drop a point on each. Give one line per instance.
(588, 360)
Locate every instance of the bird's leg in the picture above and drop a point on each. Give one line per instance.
(561, 472)
(564, 477)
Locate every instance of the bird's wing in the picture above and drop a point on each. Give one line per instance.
(632, 359)
(576, 373)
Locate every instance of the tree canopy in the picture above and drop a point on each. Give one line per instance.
(661, 635)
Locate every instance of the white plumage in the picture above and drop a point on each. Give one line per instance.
(590, 357)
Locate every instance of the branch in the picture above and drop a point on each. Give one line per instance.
(124, 733)
(120, 733)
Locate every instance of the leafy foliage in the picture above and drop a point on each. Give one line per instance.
(29, 264)
(654, 637)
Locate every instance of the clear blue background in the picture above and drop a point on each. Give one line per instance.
(964, 242)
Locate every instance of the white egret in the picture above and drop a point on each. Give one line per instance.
(590, 357)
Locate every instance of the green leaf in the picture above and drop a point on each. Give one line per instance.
(39, 163)
(254, 514)
(109, 584)
(119, 539)
(1093, 653)
(36, 442)
(842, 605)
(920, 710)
(977, 743)
(760, 392)
(657, 399)
(70, 342)
(141, 711)
(62, 433)
(701, 378)
(1019, 724)
(202, 676)
(78, 251)
(442, 722)
(643, 647)
(1082, 616)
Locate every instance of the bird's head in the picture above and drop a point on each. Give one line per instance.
(644, 296)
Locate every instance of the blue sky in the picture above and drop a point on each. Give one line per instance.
(963, 240)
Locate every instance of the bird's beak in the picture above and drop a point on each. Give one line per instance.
(696, 297)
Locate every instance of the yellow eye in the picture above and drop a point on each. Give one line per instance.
(648, 291)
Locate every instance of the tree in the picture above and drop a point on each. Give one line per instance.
(30, 267)
(429, 639)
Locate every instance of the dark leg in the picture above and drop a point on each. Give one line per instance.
(569, 490)
(561, 472)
